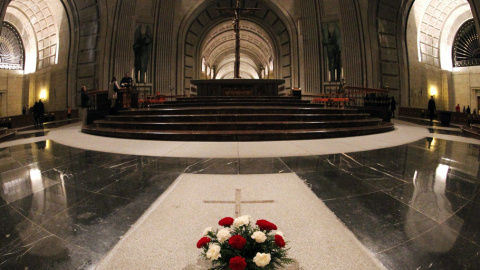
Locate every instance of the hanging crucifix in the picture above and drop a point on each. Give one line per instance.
(237, 11)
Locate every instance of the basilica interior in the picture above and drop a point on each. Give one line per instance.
(366, 187)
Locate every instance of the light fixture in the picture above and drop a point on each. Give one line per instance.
(43, 94)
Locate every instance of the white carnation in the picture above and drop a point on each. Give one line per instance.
(262, 259)
(240, 221)
(223, 235)
(279, 233)
(259, 237)
(207, 230)
(213, 252)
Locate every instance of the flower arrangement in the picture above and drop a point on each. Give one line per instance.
(241, 245)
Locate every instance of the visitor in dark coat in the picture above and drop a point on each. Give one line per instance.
(431, 108)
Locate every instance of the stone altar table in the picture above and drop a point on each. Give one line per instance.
(237, 87)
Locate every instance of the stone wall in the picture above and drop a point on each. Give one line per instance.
(11, 92)
(466, 82)
(387, 19)
(86, 58)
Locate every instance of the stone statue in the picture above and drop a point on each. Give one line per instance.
(142, 48)
(332, 43)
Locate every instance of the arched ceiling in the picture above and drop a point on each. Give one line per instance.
(433, 23)
(41, 19)
(256, 49)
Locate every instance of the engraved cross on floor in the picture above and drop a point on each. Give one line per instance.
(238, 201)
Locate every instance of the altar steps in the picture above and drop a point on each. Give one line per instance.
(473, 131)
(237, 119)
(235, 103)
(194, 110)
(242, 100)
(237, 135)
(258, 125)
(237, 98)
(6, 134)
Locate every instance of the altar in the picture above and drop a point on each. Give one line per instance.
(238, 87)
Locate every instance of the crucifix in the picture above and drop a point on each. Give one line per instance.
(237, 11)
(238, 201)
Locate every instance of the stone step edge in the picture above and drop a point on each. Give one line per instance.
(242, 123)
(233, 132)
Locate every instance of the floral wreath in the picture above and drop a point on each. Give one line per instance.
(240, 245)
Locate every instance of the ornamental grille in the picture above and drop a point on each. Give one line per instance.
(12, 53)
(466, 49)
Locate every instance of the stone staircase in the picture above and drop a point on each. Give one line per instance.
(237, 119)
(473, 131)
(6, 134)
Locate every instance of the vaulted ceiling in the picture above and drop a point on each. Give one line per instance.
(256, 50)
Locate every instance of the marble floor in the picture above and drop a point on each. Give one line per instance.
(410, 197)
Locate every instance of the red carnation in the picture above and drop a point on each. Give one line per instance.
(226, 222)
(237, 242)
(237, 263)
(203, 241)
(265, 225)
(279, 241)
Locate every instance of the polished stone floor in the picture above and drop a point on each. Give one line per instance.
(414, 206)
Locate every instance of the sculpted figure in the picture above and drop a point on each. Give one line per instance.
(142, 48)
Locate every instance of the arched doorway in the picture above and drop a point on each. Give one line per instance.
(267, 42)
(218, 52)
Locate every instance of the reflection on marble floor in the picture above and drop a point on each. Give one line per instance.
(413, 206)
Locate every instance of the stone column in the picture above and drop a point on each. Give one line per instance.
(123, 42)
(3, 9)
(311, 54)
(163, 64)
(353, 58)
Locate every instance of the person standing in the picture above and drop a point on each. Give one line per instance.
(457, 109)
(113, 93)
(393, 106)
(468, 109)
(41, 112)
(85, 101)
(126, 81)
(431, 109)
